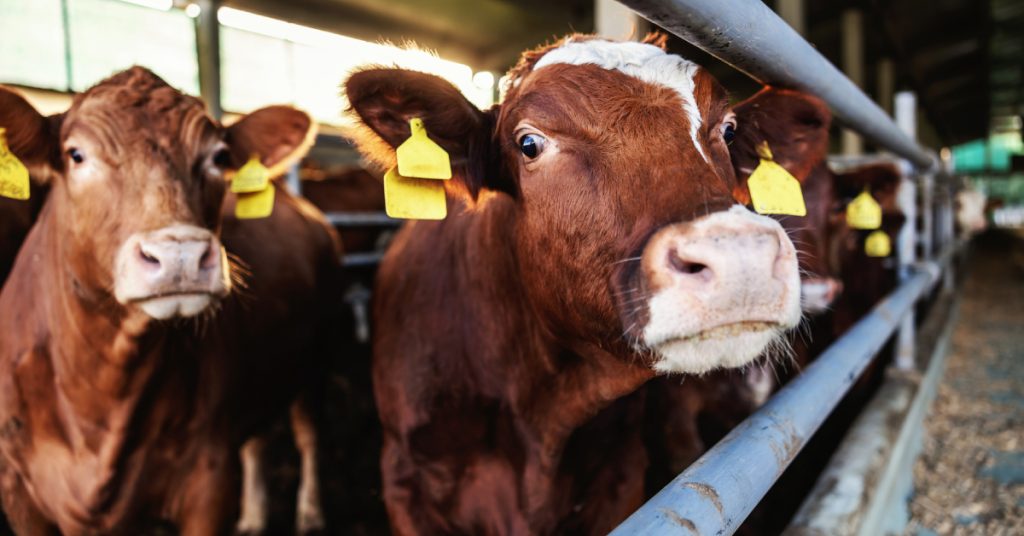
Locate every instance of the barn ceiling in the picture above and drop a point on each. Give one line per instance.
(964, 58)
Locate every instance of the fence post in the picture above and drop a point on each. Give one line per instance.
(905, 109)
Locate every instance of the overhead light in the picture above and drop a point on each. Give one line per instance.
(162, 5)
(193, 10)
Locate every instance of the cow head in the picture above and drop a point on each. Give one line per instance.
(612, 159)
(137, 174)
(795, 125)
(970, 211)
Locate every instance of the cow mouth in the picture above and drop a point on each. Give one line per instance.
(179, 304)
(729, 345)
(725, 331)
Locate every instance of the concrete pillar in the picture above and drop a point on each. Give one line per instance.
(853, 66)
(616, 21)
(886, 77)
(793, 12)
(208, 52)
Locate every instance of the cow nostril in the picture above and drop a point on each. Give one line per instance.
(683, 266)
(204, 260)
(147, 258)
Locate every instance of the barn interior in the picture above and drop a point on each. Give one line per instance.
(960, 61)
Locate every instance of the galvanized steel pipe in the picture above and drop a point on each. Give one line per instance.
(751, 37)
(715, 494)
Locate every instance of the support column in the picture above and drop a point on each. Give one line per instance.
(616, 21)
(886, 85)
(853, 66)
(793, 12)
(906, 244)
(208, 55)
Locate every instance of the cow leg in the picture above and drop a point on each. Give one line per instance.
(255, 495)
(309, 515)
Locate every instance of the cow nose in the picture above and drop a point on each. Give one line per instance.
(729, 252)
(720, 288)
(174, 271)
(176, 257)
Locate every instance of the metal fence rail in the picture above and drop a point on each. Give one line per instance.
(717, 492)
(748, 35)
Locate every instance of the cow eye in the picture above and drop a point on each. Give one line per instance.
(531, 145)
(76, 155)
(729, 131)
(222, 158)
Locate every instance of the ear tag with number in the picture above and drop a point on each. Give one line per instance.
(864, 212)
(413, 198)
(13, 174)
(252, 177)
(773, 189)
(878, 244)
(255, 205)
(420, 157)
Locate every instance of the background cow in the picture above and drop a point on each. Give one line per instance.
(137, 357)
(592, 241)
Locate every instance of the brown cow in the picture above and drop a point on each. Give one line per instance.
(136, 357)
(592, 242)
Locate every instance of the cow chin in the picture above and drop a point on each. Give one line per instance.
(729, 346)
(177, 306)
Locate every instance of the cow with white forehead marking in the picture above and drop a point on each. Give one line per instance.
(592, 242)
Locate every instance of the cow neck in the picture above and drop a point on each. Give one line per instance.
(103, 357)
(557, 383)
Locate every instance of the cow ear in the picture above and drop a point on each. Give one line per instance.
(32, 137)
(384, 100)
(794, 124)
(280, 135)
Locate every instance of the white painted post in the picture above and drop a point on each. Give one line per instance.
(906, 118)
(853, 66)
(616, 21)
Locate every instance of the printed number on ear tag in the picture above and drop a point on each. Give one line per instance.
(251, 177)
(14, 181)
(412, 198)
(420, 157)
(773, 189)
(864, 212)
(255, 205)
(878, 244)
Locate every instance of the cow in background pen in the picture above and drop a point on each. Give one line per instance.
(150, 333)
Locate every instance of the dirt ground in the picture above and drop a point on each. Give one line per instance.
(970, 476)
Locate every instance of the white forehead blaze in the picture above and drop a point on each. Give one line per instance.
(639, 60)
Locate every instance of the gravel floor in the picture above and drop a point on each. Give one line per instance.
(970, 476)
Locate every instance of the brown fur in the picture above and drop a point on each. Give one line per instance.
(112, 422)
(503, 332)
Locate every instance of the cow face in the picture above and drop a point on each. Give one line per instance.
(138, 178)
(795, 125)
(848, 245)
(615, 158)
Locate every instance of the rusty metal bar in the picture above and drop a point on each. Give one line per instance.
(715, 494)
(748, 35)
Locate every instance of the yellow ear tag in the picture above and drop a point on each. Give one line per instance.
(255, 205)
(13, 174)
(878, 244)
(252, 177)
(773, 189)
(864, 212)
(421, 157)
(412, 198)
